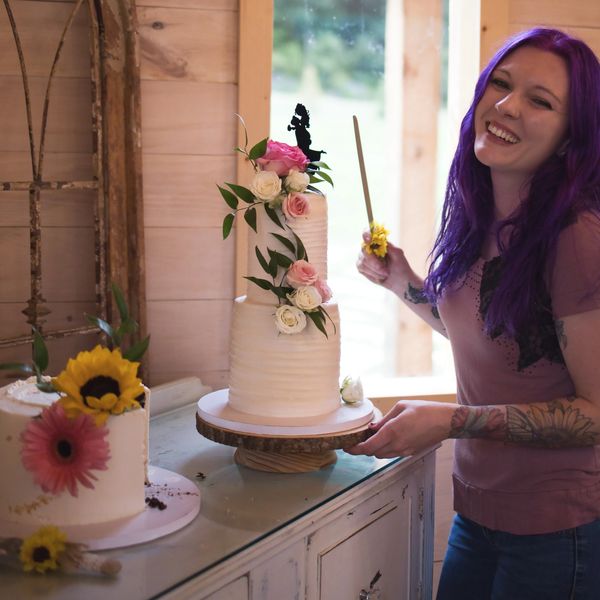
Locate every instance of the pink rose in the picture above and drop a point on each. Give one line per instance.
(301, 273)
(296, 205)
(323, 289)
(280, 158)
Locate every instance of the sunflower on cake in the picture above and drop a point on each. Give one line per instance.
(70, 443)
(285, 333)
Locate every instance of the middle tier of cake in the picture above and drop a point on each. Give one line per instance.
(278, 375)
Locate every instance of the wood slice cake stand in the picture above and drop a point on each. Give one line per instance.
(280, 444)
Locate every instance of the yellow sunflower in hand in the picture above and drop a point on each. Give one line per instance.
(99, 383)
(41, 550)
(378, 243)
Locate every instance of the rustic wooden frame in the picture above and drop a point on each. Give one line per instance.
(116, 128)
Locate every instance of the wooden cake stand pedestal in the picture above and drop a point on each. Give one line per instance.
(283, 445)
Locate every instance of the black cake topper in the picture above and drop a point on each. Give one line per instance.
(299, 124)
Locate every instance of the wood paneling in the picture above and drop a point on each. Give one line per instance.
(69, 116)
(188, 118)
(16, 166)
(188, 264)
(40, 25)
(189, 338)
(218, 5)
(14, 242)
(180, 190)
(185, 44)
(558, 13)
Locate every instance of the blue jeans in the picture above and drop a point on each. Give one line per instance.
(482, 564)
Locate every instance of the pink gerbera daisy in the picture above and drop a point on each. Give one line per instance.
(62, 451)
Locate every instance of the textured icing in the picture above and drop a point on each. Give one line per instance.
(118, 492)
(274, 374)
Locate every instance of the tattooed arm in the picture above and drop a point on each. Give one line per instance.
(395, 274)
(561, 422)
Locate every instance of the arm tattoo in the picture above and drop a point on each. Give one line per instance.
(560, 334)
(417, 296)
(478, 422)
(554, 424)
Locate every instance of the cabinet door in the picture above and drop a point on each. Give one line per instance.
(382, 547)
(236, 590)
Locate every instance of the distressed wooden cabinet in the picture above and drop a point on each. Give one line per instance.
(325, 535)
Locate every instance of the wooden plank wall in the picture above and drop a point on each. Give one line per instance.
(189, 100)
(501, 18)
(67, 216)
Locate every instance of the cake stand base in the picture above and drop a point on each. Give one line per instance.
(276, 462)
(283, 445)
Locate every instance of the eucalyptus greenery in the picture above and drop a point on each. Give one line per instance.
(40, 357)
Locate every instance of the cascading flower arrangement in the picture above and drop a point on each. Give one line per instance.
(66, 443)
(282, 177)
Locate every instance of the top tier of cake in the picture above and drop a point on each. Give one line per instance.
(312, 230)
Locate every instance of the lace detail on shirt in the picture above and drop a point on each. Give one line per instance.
(537, 339)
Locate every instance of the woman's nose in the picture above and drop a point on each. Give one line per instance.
(508, 106)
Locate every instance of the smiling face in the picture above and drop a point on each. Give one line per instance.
(522, 117)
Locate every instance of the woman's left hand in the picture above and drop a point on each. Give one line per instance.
(409, 427)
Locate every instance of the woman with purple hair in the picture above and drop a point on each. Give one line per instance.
(514, 283)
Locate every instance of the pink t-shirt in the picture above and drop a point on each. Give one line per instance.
(520, 489)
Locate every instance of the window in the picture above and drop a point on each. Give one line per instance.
(386, 62)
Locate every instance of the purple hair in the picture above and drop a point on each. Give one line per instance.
(561, 187)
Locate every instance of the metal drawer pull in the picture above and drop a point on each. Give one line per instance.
(373, 592)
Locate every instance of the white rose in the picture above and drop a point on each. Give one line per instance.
(306, 297)
(266, 185)
(296, 181)
(289, 319)
(352, 390)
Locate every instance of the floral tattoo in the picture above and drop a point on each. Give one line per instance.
(555, 424)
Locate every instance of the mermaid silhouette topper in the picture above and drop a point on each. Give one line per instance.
(299, 124)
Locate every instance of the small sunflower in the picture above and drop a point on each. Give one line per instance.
(99, 383)
(41, 550)
(378, 243)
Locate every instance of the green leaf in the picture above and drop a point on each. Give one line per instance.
(286, 242)
(20, 367)
(258, 150)
(120, 301)
(272, 214)
(326, 178)
(40, 352)
(321, 165)
(282, 292)
(319, 320)
(312, 188)
(127, 326)
(230, 198)
(227, 224)
(273, 266)
(245, 130)
(241, 192)
(281, 259)
(102, 325)
(250, 217)
(261, 283)
(301, 250)
(315, 179)
(327, 315)
(45, 386)
(135, 352)
(261, 259)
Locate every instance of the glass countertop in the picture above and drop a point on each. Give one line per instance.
(239, 507)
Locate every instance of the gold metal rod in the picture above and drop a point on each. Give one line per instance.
(363, 172)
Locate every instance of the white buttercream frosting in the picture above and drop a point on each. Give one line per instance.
(118, 492)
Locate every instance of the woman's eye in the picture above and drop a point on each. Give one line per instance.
(499, 83)
(541, 102)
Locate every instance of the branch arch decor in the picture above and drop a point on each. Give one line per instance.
(117, 172)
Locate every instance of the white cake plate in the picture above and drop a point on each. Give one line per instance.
(182, 499)
(214, 409)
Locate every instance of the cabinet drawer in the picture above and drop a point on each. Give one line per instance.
(382, 547)
(236, 590)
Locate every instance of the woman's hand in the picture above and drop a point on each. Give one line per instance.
(409, 427)
(389, 271)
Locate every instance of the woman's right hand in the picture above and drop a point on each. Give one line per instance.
(388, 271)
